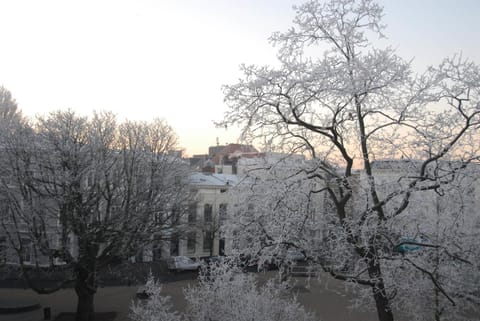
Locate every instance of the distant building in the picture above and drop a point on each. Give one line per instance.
(205, 216)
(208, 213)
(226, 160)
(213, 150)
(197, 162)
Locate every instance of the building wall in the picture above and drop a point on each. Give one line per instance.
(213, 197)
(211, 191)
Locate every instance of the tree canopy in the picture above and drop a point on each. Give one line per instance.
(87, 193)
(378, 139)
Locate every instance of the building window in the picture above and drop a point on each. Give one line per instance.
(222, 212)
(221, 247)
(26, 255)
(207, 241)
(157, 248)
(250, 209)
(235, 240)
(6, 214)
(158, 217)
(3, 250)
(139, 255)
(207, 213)
(191, 242)
(192, 213)
(175, 215)
(174, 246)
(178, 179)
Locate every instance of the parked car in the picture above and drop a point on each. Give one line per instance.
(295, 256)
(214, 259)
(182, 263)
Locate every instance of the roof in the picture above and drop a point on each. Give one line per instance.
(235, 151)
(210, 179)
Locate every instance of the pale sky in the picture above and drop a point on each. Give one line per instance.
(169, 58)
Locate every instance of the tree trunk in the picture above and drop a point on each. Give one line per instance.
(384, 311)
(85, 287)
(382, 303)
(85, 307)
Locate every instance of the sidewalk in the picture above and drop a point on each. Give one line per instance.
(116, 299)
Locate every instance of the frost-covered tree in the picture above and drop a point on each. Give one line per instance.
(349, 105)
(272, 210)
(156, 307)
(438, 278)
(10, 126)
(8, 107)
(224, 293)
(88, 193)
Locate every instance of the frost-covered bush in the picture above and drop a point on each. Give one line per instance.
(224, 293)
(155, 307)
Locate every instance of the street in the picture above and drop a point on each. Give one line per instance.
(327, 299)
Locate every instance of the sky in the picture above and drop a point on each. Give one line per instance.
(143, 59)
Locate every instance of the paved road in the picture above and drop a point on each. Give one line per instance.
(326, 298)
